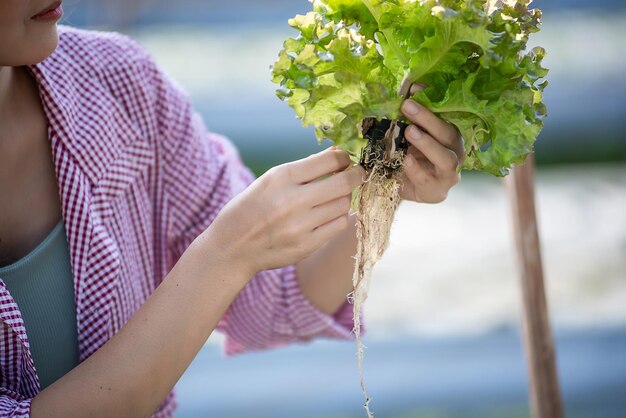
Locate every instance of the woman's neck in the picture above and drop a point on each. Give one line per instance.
(7, 84)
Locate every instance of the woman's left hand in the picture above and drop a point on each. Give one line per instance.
(435, 152)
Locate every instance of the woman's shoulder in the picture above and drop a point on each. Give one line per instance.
(100, 54)
(109, 47)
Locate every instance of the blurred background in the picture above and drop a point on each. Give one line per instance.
(443, 315)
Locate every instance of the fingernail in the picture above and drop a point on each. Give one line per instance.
(412, 132)
(409, 160)
(418, 87)
(410, 107)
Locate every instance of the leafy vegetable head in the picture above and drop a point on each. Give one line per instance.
(351, 57)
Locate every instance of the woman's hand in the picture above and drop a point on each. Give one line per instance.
(289, 212)
(281, 218)
(435, 151)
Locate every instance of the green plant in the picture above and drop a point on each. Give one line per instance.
(354, 61)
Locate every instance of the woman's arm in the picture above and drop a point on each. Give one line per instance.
(283, 217)
(326, 276)
(133, 372)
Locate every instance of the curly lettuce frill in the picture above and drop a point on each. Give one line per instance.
(351, 56)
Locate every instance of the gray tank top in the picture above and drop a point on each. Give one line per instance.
(41, 284)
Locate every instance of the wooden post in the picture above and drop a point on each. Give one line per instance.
(545, 396)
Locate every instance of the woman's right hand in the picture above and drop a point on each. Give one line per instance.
(288, 213)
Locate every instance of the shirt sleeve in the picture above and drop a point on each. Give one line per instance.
(10, 407)
(203, 171)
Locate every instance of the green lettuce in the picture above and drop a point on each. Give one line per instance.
(351, 56)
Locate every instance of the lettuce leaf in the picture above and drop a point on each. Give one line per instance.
(351, 56)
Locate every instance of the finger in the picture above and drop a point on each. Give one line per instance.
(311, 168)
(330, 229)
(439, 129)
(333, 187)
(417, 87)
(443, 158)
(328, 211)
(417, 174)
(426, 187)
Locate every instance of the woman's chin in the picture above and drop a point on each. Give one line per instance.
(36, 46)
(44, 47)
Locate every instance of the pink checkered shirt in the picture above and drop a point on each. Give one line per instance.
(139, 178)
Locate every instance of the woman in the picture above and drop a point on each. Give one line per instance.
(159, 233)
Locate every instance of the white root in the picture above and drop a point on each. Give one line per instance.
(378, 201)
